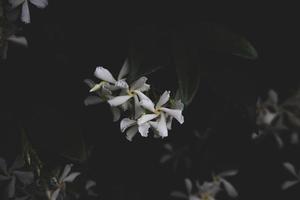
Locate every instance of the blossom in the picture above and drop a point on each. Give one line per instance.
(208, 190)
(139, 85)
(108, 80)
(160, 111)
(132, 128)
(229, 188)
(122, 96)
(11, 175)
(60, 183)
(291, 169)
(25, 14)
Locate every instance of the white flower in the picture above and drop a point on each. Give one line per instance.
(11, 175)
(208, 190)
(159, 111)
(132, 128)
(229, 188)
(106, 77)
(25, 14)
(139, 85)
(287, 184)
(60, 183)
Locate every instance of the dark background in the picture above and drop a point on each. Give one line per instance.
(42, 90)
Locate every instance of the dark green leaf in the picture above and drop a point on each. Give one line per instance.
(148, 52)
(187, 65)
(218, 38)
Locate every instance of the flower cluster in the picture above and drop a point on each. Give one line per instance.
(277, 119)
(208, 190)
(131, 98)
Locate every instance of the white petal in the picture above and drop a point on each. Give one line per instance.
(122, 84)
(104, 74)
(119, 100)
(136, 85)
(96, 87)
(71, 177)
(146, 118)
(89, 184)
(147, 104)
(93, 100)
(141, 95)
(164, 98)
(20, 40)
(288, 184)
(138, 110)
(25, 15)
(294, 138)
(15, 3)
(144, 129)
(39, 3)
(165, 158)
(126, 123)
(188, 185)
(290, 168)
(169, 122)
(278, 140)
(65, 173)
(124, 70)
(145, 87)
(131, 132)
(89, 82)
(231, 191)
(162, 126)
(126, 106)
(116, 113)
(55, 194)
(177, 114)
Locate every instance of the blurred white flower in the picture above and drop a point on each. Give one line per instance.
(291, 169)
(159, 111)
(90, 184)
(208, 190)
(60, 182)
(25, 14)
(11, 175)
(229, 188)
(176, 156)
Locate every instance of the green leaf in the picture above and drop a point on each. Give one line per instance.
(218, 38)
(53, 133)
(187, 63)
(192, 44)
(148, 51)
